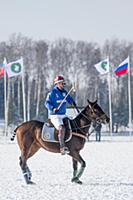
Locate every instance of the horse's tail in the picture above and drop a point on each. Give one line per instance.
(13, 135)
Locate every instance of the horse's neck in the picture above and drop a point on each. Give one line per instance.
(81, 124)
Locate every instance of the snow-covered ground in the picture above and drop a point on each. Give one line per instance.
(108, 175)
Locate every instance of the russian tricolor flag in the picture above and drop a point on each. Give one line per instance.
(122, 68)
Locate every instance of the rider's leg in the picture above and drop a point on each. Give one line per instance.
(61, 136)
(58, 124)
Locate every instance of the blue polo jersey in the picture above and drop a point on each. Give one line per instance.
(54, 98)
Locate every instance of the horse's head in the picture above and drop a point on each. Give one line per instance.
(95, 112)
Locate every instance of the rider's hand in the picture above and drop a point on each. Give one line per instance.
(55, 110)
(74, 104)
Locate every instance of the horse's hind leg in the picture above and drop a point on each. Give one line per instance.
(25, 169)
(25, 143)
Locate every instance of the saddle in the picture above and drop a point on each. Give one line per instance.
(50, 133)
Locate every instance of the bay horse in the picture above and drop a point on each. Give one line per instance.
(30, 141)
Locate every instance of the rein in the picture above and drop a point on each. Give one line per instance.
(83, 136)
(86, 135)
(80, 128)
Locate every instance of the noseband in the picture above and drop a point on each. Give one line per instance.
(98, 119)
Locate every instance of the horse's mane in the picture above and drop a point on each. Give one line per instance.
(79, 114)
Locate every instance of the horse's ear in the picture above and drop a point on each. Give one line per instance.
(89, 103)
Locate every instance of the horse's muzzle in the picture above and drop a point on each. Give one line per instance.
(105, 119)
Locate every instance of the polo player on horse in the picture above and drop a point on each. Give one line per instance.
(56, 104)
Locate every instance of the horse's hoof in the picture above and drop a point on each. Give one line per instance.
(76, 180)
(30, 183)
(79, 182)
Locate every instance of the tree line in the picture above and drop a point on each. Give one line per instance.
(43, 60)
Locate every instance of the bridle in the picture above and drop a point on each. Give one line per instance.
(97, 120)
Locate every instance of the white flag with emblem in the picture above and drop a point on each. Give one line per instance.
(103, 66)
(14, 68)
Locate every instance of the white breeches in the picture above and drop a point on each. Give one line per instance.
(57, 120)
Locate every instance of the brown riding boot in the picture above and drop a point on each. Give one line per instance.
(63, 149)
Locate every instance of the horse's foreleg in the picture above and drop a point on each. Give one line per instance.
(81, 170)
(75, 167)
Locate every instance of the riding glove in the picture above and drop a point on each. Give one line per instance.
(55, 110)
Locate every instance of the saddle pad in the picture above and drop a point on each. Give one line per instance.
(48, 133)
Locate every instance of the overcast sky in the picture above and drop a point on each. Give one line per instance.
(89, 20)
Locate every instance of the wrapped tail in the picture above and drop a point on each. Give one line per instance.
(13, 135)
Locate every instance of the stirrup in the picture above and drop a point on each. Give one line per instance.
(64, 150)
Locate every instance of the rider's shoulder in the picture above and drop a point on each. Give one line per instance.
(53, 91)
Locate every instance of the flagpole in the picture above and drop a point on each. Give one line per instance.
(5, 102)
(110, 101)
(23, 92)
(129, 99)
(5, 98)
